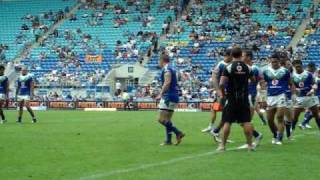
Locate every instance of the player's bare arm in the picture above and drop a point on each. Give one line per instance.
(293, 89)
(314, 88)
(214, 78)
(223, 81)
(166, 84)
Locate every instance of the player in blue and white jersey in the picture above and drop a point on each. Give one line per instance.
(317, 79)
(311, 67)
(247, 58)
(286, 63)
(305, 90)
(25, 93)
(277, 79)
(169, 98)
(4, 91)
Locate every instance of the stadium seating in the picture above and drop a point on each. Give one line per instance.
(207, 30)
(312, 45)
(105, 34)
(11, 21)
(260, 14)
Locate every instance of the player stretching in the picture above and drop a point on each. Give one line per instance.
(278, 80)
(237, 109)
(24, 94)
(304, 82)
(169, 99)
(4, 90)
(216, 75)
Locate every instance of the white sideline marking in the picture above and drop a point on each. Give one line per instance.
(151, 165)
(147, 166)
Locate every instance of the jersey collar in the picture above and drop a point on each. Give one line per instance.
(166, 66)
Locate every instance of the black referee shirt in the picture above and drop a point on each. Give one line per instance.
(238, 74)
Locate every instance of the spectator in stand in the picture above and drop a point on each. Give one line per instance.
(118, 88)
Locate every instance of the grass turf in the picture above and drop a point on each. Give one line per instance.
(125, 145)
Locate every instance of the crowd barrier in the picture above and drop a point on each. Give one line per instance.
(119, 105)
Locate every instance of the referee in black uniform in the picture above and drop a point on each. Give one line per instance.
(234, 88)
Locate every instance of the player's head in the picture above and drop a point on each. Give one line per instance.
(24, 71)
(311, 67)
(288, 65)
(247, 56)
(297, 64)
(227, 55)
(236, 53)
(2, 68)
(164, 59)
(275, 61)
(283, 58)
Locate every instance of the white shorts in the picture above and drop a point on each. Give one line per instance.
(276, 101)
(2, 97)
(167, 105)
(262, 96)
(23, 97)
(252, 101)
(289, 104)
(306, 102)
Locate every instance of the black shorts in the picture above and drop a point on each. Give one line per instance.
(236, 112)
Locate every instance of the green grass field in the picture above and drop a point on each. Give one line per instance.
(125, 145)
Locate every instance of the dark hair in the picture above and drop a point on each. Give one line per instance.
(236, 52)
(311, 65)
(165, 58)
(2, 67)
(227, 52)
(297, 62)
(248, 53)
(275, 55)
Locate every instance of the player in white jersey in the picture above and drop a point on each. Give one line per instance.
(216, 75)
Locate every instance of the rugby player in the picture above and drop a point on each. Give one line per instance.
(4, 91)
(237, 109)
(25, 93)
(311, 67)
(216, 75)
(305, 90)
(169, 98)
(278, 79)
